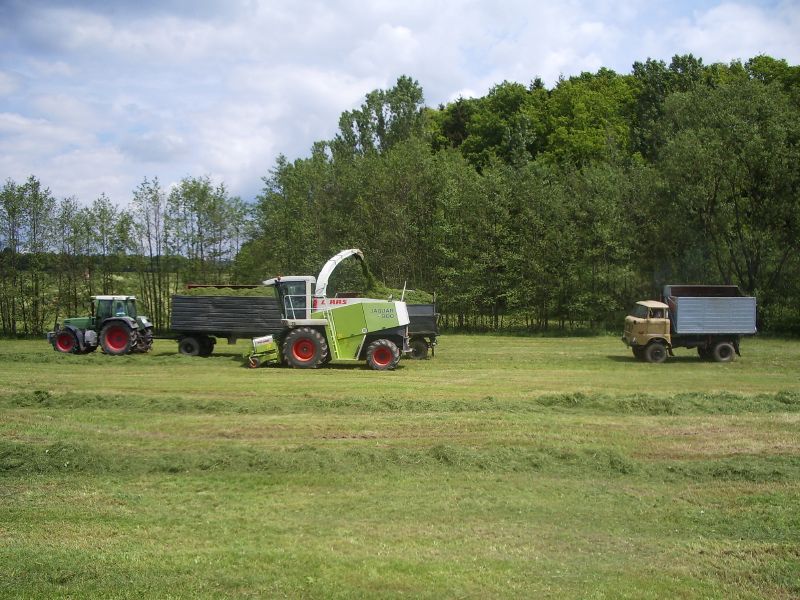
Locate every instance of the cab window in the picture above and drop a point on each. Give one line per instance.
(640, 312)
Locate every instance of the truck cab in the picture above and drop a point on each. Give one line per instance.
(648, 324)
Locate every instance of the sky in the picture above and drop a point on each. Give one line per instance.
(97, 95)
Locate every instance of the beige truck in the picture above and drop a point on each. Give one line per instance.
(710, 318)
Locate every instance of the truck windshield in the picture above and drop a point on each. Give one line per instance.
(639, 311)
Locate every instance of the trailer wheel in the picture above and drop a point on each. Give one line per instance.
(723, 352)
(305, 348)
(419, 348)
(206, 345)
(116, 339)
(66, 342)
(189, 346)
(655, 353)
(383, 355)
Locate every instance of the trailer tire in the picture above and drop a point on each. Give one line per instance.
(206, 345)
(419, 348)
(383, 355)
(66, 342)
(116, 339)
(305, 348)
(655, 353)
(723, 352)
(189, 346)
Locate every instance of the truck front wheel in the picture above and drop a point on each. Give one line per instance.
(655, 353)
(305, 348)
(724, 352)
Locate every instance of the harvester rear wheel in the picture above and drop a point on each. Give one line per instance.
(66, 342)
(116, 339)
(382, 355)
(305, 348)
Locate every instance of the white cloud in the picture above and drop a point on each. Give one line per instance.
(94, 99)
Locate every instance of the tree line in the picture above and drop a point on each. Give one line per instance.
(529, 207)
(57, 253)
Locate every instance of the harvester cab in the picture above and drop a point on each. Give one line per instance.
(319, 329)
(113, 325)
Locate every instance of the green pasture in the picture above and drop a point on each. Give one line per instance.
(504, 467)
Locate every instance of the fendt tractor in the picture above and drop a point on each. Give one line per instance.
(710, 318)
(113, 325)
(300, 327)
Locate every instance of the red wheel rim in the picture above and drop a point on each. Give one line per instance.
(65, 342)
(117, 338)
(303, 349)
(382, 356)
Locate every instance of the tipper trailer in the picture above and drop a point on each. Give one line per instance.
(710, 318)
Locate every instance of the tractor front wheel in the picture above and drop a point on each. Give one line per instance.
(305, 348)
(116, 339)
(383, 355)
(66, 342)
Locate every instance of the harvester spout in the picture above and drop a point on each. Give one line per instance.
(325, 273)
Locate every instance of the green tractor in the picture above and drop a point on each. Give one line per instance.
(113, 325)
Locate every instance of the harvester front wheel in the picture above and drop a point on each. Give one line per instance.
(383, 355)
(116, 339)
(305, 348)
(66, 342)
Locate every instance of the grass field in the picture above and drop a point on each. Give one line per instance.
(504, 467)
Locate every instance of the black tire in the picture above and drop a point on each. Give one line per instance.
(305, 348)
(189, 346)
(66, 342)
(144, 343)
(116, 338)
(419, 348)
(206, 345)
(655, 353)
(383, 355)
(723, 352)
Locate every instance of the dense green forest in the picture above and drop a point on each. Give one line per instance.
(528, 208)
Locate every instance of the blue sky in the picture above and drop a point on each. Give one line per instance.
(97, 95)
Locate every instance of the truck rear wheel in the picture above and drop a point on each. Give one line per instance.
(116, 339)
(723, 352)
(66, 342)
(305, 348)
(655, 353)
(383, 355)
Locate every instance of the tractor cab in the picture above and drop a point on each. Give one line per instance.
(105, 307)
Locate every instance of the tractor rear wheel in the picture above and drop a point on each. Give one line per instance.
(419, 348)
(189, 346)
(116, 339)
(382, 355)
(305, 348)
(66, 342)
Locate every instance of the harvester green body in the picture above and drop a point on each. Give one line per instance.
(318, 329)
